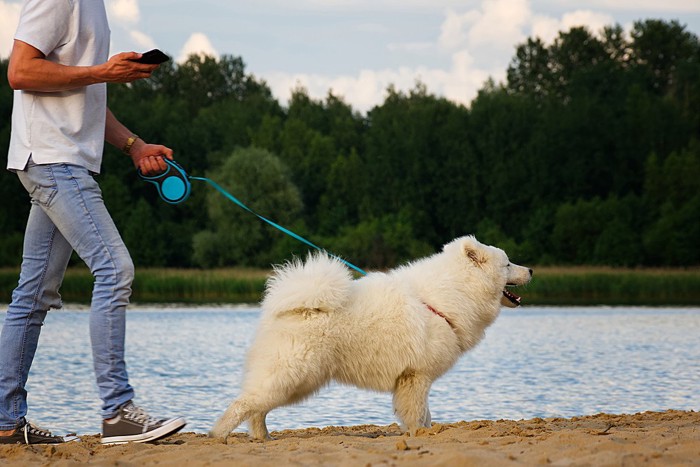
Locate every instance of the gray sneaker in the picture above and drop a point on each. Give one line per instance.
(30, 434)
(134, 425)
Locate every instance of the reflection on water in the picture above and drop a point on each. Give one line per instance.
(534, 362)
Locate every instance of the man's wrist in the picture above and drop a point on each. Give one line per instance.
(129, 144)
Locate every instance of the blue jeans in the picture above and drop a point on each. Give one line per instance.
(67, 214)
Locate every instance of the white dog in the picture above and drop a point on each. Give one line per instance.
(394, 332)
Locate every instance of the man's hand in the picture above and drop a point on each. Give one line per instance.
(148, 158)
(122, 68)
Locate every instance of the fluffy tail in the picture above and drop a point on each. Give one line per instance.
(321, 283)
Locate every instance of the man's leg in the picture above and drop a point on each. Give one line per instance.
(77, 209)
(99, 244)
(44, 260)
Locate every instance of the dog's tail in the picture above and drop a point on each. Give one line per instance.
(321, 283)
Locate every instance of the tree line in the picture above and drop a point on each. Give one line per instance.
(589, 153)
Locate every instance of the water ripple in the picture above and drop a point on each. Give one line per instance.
(534, 362)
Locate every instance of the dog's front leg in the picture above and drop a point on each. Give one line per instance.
(411, 401)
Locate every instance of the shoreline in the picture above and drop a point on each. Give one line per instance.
(551, 285)
(649, 438)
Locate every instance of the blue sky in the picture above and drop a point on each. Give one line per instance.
(358, 48)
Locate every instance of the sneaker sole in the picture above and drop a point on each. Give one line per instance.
(169, 428)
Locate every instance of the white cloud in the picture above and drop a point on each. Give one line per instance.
(548, 28)
(453, 30)
(479, 43)
(197, 44)
(124, 17)
(594, 21)
(487, 34)
(363, 5)
(124, 11)
(144, 41)
(496, 23)
(500, 23)
(464, 79)
(367, 89)
(9, 17)
(459, 81)
(637, 6)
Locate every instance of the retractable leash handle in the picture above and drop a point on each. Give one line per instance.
(173, 185)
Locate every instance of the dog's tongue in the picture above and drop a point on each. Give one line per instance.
(509, 299)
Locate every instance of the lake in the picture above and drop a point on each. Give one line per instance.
(534, 362)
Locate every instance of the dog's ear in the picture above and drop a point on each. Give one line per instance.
(470, 248)
(477, 258)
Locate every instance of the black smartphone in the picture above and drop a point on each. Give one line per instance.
(153, 57)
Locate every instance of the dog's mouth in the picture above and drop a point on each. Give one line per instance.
(510, 299)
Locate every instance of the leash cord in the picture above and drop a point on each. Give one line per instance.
(233, 199)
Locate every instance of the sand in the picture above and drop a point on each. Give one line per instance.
(647, 439)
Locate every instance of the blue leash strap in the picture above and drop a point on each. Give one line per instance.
(233, 199)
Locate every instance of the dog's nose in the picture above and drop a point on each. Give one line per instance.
(530, 272)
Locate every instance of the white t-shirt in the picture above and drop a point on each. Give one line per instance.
(66, 126)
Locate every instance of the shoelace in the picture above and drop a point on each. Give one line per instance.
(139, 415)
(34, 430)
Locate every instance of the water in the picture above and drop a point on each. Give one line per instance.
(534, 362)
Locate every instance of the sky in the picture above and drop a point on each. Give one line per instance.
(357, 48)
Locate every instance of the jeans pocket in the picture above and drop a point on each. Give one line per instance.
(40, 183)
(43, 194)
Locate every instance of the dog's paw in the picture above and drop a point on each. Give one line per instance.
(219, 434)
(261, 437)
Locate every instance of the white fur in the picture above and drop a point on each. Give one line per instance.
(377, 332)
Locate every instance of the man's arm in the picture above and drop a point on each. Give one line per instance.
(30, 71)
(146, 157)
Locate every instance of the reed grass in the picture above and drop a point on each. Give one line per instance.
(612, 286)
(549, 286)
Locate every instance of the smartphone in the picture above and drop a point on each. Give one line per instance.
(153, 57)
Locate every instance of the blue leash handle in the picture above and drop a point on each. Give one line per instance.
(233, 199)
(173, 184)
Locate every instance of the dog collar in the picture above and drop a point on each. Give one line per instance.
(440, 315)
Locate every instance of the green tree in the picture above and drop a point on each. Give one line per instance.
(530, 71)
(672, 188)
(262, 182)
(659, 48)
(382, 242)
(417, 156)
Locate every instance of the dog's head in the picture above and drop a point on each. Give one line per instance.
(492, 267)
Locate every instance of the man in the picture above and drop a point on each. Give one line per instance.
(59, 68)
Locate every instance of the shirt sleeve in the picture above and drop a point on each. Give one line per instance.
(44, 24)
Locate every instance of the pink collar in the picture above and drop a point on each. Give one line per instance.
(440, 315)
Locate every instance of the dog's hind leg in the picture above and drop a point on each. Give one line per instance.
(236, 413)
(288, 385)
(244, 408)
(427, 419)
(411, 401)
(258, 427)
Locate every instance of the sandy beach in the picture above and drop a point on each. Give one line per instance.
(650, 439)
